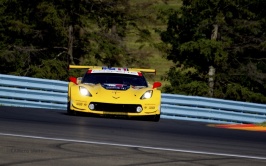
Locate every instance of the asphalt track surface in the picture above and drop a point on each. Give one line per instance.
(31, 136)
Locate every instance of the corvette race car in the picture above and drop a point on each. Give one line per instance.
(113, 91)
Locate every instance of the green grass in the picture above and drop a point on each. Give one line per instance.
(161, 65)
(170, 4)
(263, 124)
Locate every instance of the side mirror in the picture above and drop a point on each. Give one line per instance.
(73, 79)
(156, 85)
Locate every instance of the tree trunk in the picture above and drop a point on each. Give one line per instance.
(211, 68)
(214, 32)
(70, 45)
(211, 80)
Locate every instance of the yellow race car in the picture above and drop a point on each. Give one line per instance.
(114, 91)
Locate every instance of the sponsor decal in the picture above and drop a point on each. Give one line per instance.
(116, 86)
(115, 71)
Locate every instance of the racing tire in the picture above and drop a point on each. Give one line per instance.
(69, 111)
(156, 118)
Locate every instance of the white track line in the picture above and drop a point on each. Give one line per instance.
(133, 146)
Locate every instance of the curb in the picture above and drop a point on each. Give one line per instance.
(249, 127)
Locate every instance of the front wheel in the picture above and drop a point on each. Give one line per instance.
(69, 111)
(156, 118)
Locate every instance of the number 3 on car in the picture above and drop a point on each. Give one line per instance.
(115, 92)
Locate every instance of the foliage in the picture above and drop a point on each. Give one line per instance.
(188, 82)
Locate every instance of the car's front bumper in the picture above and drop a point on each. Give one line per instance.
(128, 109)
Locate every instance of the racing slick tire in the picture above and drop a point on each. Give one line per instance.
(69, 111)
(156, 118)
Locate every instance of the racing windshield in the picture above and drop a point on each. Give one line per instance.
(114, 81)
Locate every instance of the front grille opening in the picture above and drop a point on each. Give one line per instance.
(129, 108)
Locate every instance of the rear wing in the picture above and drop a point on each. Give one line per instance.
(113, 68)
(143, 70)
(83, 67)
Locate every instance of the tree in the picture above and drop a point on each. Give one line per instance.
(221, 41)
(33, 35)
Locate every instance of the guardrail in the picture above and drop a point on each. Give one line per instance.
(32, 92)
(205, 109)
(52, 94)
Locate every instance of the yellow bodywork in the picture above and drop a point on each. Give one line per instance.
(131, 96)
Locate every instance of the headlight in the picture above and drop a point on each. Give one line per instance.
(147, 95)
(84, 91)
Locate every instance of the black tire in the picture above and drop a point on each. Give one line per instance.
(69, 111)
(156, 118)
